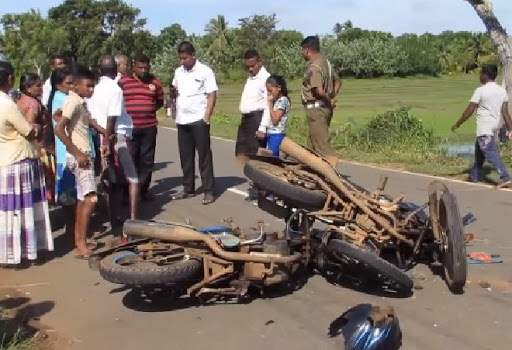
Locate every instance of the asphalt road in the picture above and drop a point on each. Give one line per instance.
(90, 313)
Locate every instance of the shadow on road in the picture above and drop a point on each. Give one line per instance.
(161, 165)
(18, 318)
(160, 299)
(164, 189)
(488, 174)
(226, 182)
(369, 286)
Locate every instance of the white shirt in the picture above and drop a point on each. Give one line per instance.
(108, 101)
(254, 96)
(193, 87)
(490, 99)
(47, 89)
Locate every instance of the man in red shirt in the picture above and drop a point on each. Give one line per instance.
(143, 97)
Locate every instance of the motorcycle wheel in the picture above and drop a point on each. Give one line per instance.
(128, 268)
(266, 176)
(453, 252)
(376, 264)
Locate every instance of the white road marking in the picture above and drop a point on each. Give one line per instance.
(239, 192)
(383, 168)
(434, 177)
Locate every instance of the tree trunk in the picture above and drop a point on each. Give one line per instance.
(499, 37)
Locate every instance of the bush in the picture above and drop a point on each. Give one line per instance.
(398, 130)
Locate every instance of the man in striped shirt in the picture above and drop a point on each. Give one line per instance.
(143, 97)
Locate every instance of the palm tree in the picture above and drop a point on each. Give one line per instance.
(217, 28)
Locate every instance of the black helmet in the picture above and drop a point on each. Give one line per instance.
(367, 327)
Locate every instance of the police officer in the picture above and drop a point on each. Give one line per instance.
(320, 86)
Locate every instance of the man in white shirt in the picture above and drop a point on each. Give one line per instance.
(253, 106)
(107, 108)
(56, 62)
(194, 90)
(491, 104)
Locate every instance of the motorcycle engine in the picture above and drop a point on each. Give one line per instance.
(274, 245)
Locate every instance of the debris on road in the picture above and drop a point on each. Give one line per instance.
(485, 284)
(368, 327)
(484, 258)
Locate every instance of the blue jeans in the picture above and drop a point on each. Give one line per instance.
(486, 149)
(273, 143)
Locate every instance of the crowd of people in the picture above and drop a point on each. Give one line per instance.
(60, 136)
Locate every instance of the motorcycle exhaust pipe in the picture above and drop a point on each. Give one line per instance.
(181, 234)
(326, 170)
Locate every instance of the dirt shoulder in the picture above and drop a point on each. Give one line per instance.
(20, 324)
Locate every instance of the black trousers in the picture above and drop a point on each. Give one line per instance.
(191, 138)
(143, 152)
(246, 141)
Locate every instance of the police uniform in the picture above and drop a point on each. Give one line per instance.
(319, 73)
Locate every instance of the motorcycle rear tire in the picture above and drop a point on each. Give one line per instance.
(290, 193)
(373, 262)
(181, 273)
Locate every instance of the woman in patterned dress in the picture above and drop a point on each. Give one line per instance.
(24, 219)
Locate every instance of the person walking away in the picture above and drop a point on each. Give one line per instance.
(56, 62)
(490, 101)
(107, 108)
(65, 184)
(253, 104)
(195, 90)
(24, 218)
(73, 130)
(279, 103)
(320, 86)
(143, 97)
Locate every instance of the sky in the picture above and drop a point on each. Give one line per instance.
(308, 17)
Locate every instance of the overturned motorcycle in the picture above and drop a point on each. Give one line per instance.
(214, 260)
(366, 234)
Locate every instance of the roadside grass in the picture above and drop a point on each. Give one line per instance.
(19, 341)
(433, 105)
(14, 337)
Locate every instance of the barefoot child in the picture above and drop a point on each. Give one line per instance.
(73, 130)
(491, 104)
(279, 105)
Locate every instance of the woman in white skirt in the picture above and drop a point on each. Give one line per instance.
(24, 219)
